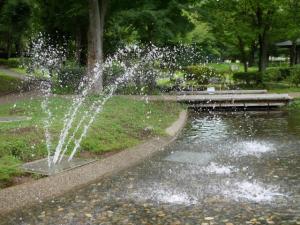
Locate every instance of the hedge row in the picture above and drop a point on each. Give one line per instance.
(248, 77)
(288, 74)
(202, 75)
(12, 63)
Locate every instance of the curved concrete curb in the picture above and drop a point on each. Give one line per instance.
(43, 189)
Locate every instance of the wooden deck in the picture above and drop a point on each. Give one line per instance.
(233, 99)
(225, 92)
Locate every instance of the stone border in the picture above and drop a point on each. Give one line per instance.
(35, 192)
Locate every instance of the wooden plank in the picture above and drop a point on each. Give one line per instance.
(232, 98)
(238, 105)
(220, 92)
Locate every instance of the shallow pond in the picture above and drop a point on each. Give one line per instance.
(225, 168)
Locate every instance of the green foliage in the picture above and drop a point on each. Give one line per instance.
(12, 63)
(275, 74)
(227, 29)
(295, 105)
(9, 167)
(295, 77)
(282, 74)
(248, 77)
(285, 72)
(202, 74)
(15, 18)
(159, 22)
(9, 84)
(291, 19)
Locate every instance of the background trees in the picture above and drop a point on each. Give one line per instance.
(245, 25)
(291, 18)
(229, 29)
(14, 25)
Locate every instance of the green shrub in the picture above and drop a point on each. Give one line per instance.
(9, 167)
(295, 76)
(277, 74)
(12, 63)
(248, 77)
(202, 74)
(285, 72)
(272, 74)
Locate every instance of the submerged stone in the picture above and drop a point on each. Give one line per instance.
(42, 167)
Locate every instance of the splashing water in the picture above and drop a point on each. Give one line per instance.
(165, 194)
(137, 65)
(255, 148)
(253, 191)
(214, 168)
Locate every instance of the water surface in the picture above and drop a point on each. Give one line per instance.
(225, 168)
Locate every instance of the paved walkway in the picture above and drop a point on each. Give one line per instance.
(295, 94)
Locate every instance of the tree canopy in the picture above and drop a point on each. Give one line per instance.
(229, 29)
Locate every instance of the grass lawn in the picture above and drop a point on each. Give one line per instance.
(123, 123)
(281, 88)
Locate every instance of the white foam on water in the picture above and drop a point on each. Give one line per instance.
(252, 191)
(164, 195)
(255, 148)
(215, 168)
(174, 197)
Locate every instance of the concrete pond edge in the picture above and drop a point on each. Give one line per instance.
(36, 192)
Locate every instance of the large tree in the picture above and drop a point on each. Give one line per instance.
(65, 22)
(263, 14)
(231, 27)
(249, 23)
(97, 11)
(158, 22)
(291, 15)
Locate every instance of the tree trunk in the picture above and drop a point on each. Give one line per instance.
(9, 45)
(18, 47)
(103, 8)
(95, 39)
(293, 54)
(263, 52)
(252, 54)
(243, 53)
(262, 37)
(298, 55)
(78, 47)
